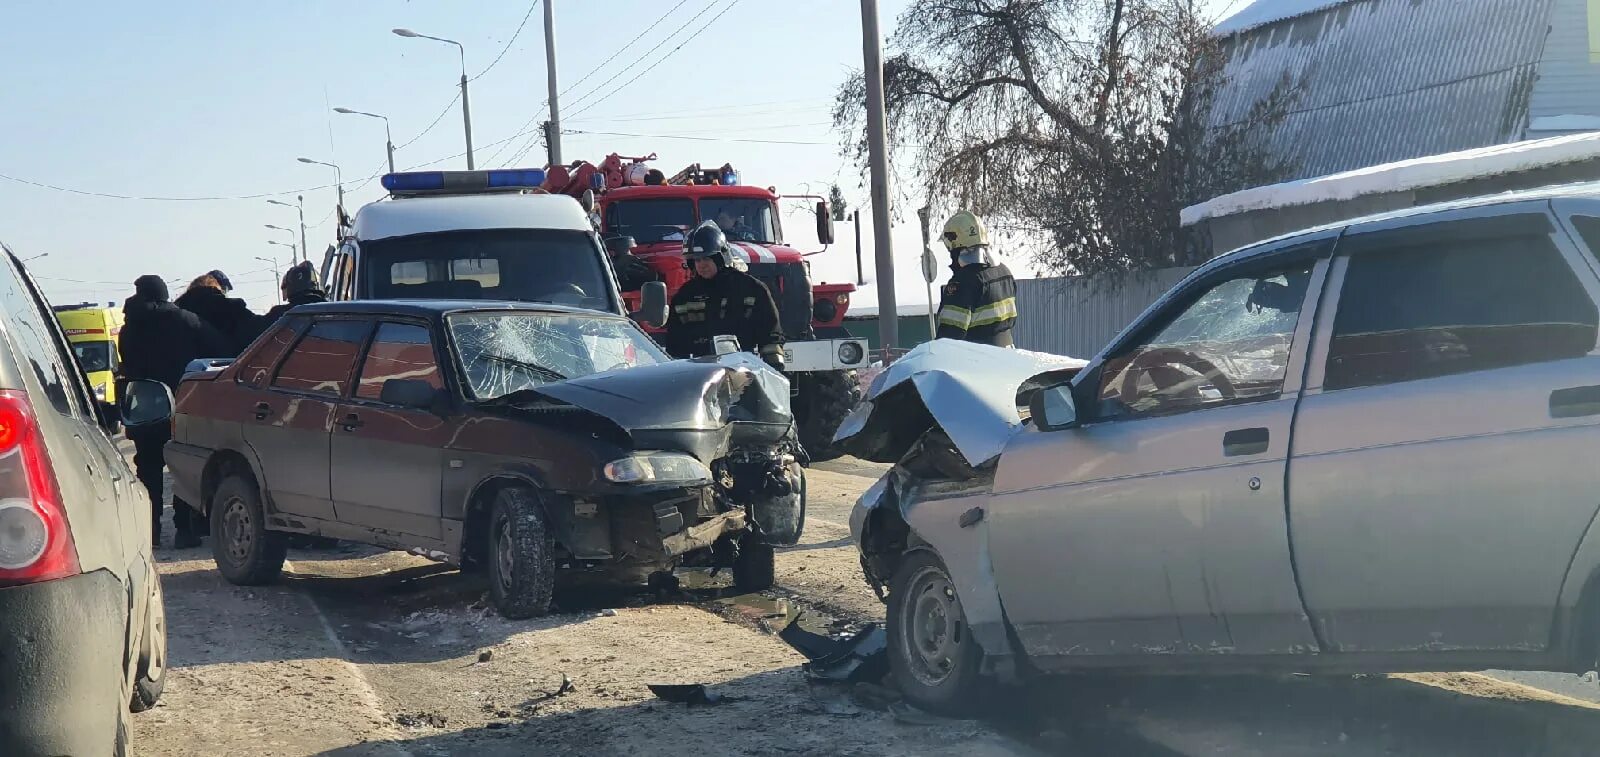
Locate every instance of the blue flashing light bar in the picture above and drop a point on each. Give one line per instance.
(730, 178)
(463, 181)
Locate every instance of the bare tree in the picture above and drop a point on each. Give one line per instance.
(1080, 121)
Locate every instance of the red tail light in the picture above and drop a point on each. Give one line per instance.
(35, 541)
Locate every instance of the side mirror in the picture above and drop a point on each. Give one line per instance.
(824, 223)
(1051, 408)
(652, 305)
(412, 393)
(144, 403)
(725, 344)
(586, 200)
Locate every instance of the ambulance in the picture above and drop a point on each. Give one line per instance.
(93, 331)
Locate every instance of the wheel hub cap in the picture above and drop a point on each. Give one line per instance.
(236, 528)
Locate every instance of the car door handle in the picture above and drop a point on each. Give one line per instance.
(262, 411)
(1575, 402)
(351, 422)
(1245, 441)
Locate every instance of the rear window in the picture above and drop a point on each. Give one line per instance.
(527, 265)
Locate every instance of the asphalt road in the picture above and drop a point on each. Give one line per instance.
(363, 652)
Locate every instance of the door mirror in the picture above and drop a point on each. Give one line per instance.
(652, 305)
(1051, 408)
(725, 344)
(143, 402)
(412, 393)
(824, 223)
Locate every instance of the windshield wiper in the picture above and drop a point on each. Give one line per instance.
(530, 367)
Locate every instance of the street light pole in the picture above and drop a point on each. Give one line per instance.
(299, 207)
(466, 108)
(388, 136)
(878, 159)
(338, 177)
(292, 256)
(554, 129)
(274, 263)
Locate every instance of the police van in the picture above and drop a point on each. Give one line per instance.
(473, 235)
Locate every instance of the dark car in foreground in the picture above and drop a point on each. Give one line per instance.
(82, 625)
(515, 437)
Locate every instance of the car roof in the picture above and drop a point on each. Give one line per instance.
(686, 191)
(405, 216)
(1580, 190)
(431, 308)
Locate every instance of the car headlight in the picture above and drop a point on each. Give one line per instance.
(100, 391)
(656, 468)
(824, 310)
(851, 353)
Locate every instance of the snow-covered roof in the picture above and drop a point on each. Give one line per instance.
(1564, 122)
(1263, 12)
(1430, 171)
(421, 215)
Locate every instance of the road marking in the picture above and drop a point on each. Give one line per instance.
(364, 691)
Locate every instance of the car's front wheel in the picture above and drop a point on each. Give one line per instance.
(932, 653)
(522, 566)
(247, 553)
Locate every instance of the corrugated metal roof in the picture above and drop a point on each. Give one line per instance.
(1387, 80)
(1267, 11)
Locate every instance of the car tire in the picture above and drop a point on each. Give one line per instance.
(755, 569)
(522, 566)
(932, 655)
(150, 678)
(247, 554)
(826, 397)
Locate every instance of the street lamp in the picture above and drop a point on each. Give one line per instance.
(387, 135)
(291, 238)
(274, 263)
(36, 257)
(466, 111)
(300, 205)
(338, 177)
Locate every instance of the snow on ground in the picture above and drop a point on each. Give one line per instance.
(1428, 171)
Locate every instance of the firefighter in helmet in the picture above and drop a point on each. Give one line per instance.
(721, 300)
(980, 302)
(300, 287)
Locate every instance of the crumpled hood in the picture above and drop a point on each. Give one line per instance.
(688, 405)
(968, 390)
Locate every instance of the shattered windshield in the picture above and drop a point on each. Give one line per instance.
(505, 352)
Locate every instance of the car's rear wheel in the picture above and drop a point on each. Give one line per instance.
(755, 569)
(522, 567)
(932, 654)
(151, 677)
(246, 552)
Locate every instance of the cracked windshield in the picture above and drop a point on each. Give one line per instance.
(988, 378)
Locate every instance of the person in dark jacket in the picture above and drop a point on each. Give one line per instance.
(980, 302)
(158, 340)
(721, 300)
(300, 287)
(632, 273)
(207, 297)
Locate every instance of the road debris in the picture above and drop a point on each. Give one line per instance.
(486, 655)
(857, 658)
(690, 694)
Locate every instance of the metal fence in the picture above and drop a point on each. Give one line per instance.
(1077, 315)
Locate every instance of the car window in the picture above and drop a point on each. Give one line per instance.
(1230, 344)
(1589, 229)
(33, 331)
(322, 361)
(256, 366)
(650, 221)
(531, 265)
(742, 219)
(399, 351)
(1469, 304)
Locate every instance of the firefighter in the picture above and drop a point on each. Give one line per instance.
(632, 273)
(721, 300)
(300, 287)
(980, 302)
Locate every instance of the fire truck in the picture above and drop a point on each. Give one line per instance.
(626, 197)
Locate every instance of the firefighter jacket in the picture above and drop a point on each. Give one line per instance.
(979, 305)
(733, 303)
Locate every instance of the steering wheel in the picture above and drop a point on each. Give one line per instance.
(1159, 364)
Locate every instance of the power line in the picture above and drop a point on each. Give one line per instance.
(531, 7)
(114, 196)
(436, 120)
(694, 138)
(624, 48)
(657, 62)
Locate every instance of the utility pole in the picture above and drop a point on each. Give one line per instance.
(553, 126)
(300, 205)
(878, 159)
(855, 220)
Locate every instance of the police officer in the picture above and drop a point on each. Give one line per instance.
(721, 300)
(300, 287)
(980, 302)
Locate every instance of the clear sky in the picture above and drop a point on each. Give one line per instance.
(197, 98)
